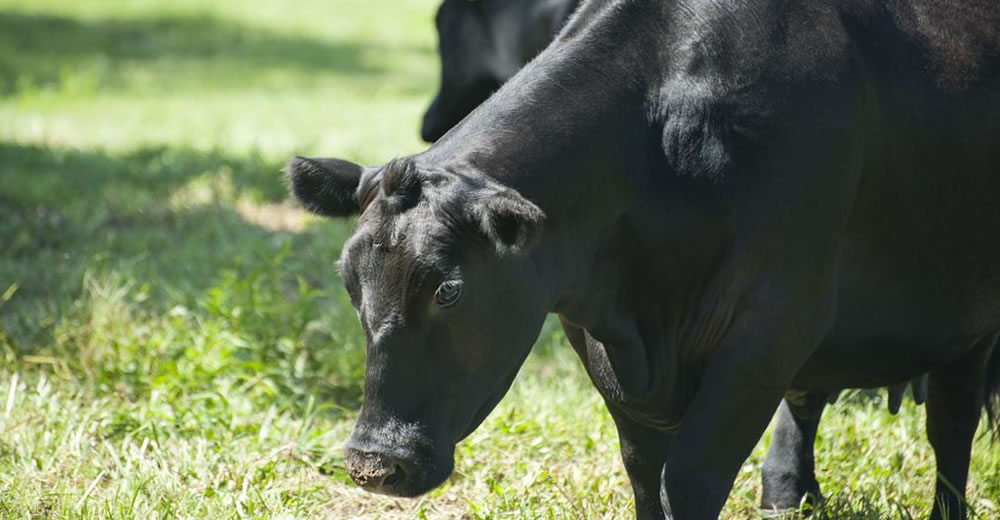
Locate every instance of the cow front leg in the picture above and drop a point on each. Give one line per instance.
(739, 390)
(954, 403)
(699, 475)
(644, 451)
(721, 427)
(789, 472)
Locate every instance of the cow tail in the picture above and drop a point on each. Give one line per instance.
(993, 392)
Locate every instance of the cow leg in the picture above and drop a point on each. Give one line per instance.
(730, 411)
(707, 456)
(789, 471)
(954, 404)
(644, 452)
(739, 390)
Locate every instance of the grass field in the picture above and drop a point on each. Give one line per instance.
(174, 342)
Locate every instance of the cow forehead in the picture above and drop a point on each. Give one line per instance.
(389, 249)
(393, 242)
(388, 268)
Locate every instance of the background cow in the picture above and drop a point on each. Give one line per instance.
(482, 43)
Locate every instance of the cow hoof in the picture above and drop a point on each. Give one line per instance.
(805, 506)
(777, 513)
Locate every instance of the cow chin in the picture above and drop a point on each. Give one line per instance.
(488, 406)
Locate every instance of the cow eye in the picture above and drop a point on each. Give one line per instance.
(448, 293)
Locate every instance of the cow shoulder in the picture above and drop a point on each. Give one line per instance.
(730, 72)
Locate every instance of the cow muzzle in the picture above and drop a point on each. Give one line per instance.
(400, 468)
(378, 472)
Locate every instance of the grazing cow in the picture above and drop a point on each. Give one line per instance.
(482, 43)
(726, 203)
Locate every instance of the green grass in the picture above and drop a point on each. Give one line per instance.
(174, 342)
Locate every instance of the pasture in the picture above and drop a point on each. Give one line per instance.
(174, 340)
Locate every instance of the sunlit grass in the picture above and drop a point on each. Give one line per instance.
(174, 342)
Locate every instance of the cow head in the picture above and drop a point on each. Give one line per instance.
(478, 45)
(439, 270)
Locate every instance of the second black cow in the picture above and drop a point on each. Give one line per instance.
(481, 44)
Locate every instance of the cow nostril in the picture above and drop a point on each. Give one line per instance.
(395, 476)
(379, 472)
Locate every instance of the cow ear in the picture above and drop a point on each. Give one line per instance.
(324, 186)
(511, 222)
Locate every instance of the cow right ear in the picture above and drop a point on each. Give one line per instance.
(325, 186)
(510, 221)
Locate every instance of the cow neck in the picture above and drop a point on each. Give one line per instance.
(571, 132)
(563, 118)
(567, 127)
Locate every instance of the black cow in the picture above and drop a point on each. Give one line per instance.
(482, 43)
(726, 203)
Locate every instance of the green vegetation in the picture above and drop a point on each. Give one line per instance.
(174, 341)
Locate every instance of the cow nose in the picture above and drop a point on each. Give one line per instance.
(376, 472)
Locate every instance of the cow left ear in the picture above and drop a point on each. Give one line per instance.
(510, 221)
(325, 186)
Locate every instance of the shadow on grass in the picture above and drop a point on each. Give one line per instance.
(44, 51)
(149, 267)
(63, 199)
(146, 259)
